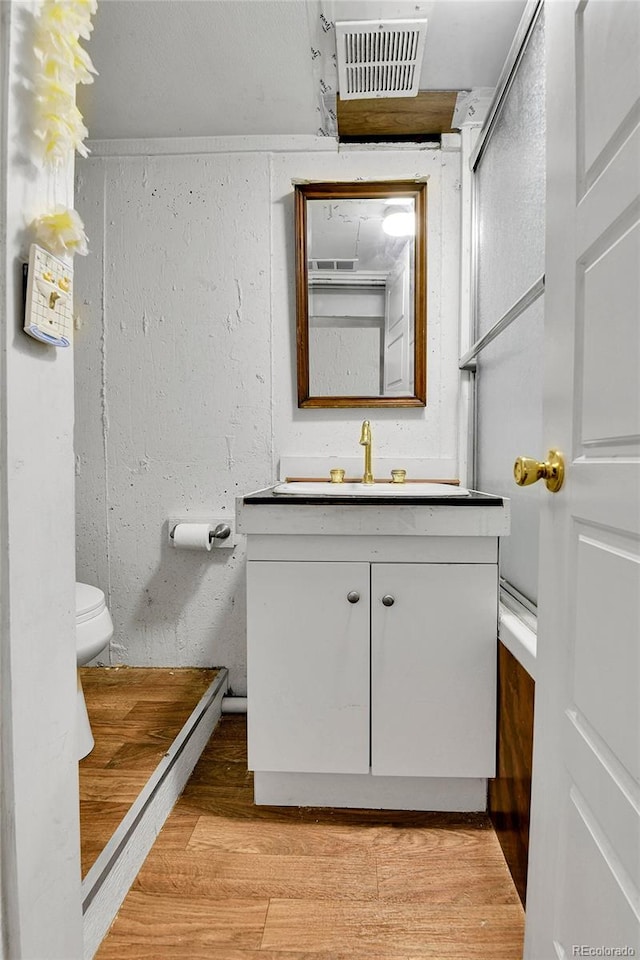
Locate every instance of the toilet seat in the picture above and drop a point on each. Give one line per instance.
(94, 629)
(90, 602)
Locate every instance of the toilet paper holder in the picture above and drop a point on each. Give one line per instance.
(219, 536)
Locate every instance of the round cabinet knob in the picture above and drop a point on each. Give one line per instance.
(388, 600)
(526, 471)
(353, 596)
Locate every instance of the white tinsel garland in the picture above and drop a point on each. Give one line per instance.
(58, 123)
(61, 232)
(63, 64)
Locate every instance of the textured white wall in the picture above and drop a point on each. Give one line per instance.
(41, 914)
(174, 393)
(430, 432)
(185, 372)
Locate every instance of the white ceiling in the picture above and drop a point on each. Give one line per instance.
(352, 229)
(172, 68)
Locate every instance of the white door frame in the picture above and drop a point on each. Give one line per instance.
(39, 820)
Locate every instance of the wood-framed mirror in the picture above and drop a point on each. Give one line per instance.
(361, 255)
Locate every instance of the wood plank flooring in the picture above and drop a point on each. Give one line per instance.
(230, 880)
(135, 714)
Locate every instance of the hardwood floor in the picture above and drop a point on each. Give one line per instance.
(135, 714)
(230, 880)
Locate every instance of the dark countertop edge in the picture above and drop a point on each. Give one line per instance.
(270, 498)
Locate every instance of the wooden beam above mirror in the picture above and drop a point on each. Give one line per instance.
(429, 113)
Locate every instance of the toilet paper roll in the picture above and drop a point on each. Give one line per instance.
(193, 536)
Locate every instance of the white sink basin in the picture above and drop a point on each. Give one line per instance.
(326, 489)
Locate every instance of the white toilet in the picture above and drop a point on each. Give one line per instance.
(94, 629)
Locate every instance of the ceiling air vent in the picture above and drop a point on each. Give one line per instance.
(379, 58)
(343, 265)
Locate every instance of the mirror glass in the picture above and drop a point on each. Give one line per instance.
(361, 323)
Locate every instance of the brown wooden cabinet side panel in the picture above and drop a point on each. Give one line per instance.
(510, 792)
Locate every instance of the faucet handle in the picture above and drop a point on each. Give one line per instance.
(337, 476)
(398, 476)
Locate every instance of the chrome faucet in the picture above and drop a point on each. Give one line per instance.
(365, 441)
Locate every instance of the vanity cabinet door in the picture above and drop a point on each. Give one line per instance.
(433, 669)
(308, 666)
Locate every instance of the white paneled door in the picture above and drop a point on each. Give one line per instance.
(584, 879)
(399, 331)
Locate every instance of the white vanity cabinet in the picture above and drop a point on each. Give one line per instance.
(433, 669)
(371, 655)
(388, 666)
(308, 666)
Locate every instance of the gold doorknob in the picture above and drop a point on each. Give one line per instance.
(526, 471)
